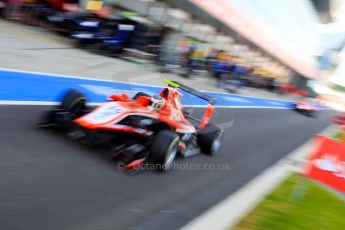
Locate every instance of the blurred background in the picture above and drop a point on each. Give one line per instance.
(287, 47)
(272, 52)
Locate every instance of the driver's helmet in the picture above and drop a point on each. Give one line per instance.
(156, 103)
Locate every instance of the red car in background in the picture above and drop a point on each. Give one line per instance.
(305, 108)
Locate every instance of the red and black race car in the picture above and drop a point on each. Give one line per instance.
(339, 120)
(145, 129)
(305, 108)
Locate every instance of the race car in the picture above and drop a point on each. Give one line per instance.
(339, 120)
(145, 129)
(305, 108)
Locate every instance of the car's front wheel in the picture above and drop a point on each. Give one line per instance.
(164, 149)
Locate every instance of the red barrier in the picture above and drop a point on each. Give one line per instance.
(327, 163)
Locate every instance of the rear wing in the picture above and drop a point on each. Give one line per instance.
(210, 100)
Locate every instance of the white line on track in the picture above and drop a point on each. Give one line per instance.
(3, 102)
(39, 103)
(28, 103)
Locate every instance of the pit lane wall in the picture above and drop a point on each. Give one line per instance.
(28, 87)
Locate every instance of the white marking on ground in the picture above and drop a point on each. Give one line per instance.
(9, 102)
(28, 102)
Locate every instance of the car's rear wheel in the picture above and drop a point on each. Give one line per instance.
(164, 149)
(74, 102)
(209, 139)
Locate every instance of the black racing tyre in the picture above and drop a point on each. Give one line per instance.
(139, 94)
(74, 102)
(164, 149)
(209, 139)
